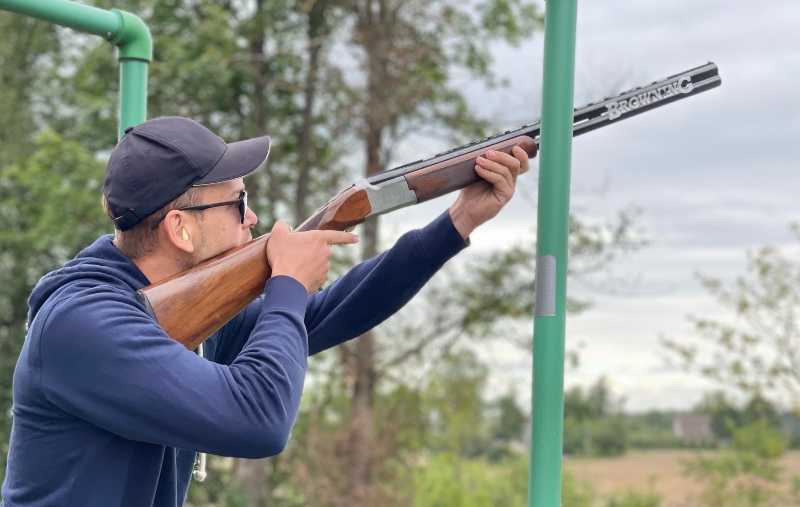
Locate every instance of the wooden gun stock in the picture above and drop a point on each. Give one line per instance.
(190, 306)
(193, 304)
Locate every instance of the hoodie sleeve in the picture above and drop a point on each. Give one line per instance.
(104, 360)
(376, 289)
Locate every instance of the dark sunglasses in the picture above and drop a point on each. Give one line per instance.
(241, 202)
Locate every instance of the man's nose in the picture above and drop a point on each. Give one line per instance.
(250, 218)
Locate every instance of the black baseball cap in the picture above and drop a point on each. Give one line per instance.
(157, 161)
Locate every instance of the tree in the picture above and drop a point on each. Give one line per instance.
(408, 51)
(511, 422)
(455, 406)
(24, 42)
(758, 350)
(593, 422)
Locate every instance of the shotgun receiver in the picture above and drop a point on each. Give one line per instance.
(205, 292)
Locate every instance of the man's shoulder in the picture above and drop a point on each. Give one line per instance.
(85, 301)
(96, 274)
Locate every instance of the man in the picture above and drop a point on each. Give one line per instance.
(108, 410)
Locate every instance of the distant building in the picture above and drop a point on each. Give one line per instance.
(692, 428)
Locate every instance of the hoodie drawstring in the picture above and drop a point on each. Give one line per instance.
(199, 473)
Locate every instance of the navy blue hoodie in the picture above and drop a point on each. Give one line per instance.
(109, 411)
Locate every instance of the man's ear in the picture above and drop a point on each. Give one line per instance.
(180, 230)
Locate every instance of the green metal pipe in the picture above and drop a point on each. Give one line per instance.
(132, 37)
(82, 18)
(135, 54)
(133, 94)
(121, 28)
(551, 257)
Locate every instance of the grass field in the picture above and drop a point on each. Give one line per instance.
(638, 468)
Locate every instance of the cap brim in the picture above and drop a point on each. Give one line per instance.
(240, 159)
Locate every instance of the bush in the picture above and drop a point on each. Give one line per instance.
(747, 473)
(633, 498)
(576, 492)
(449, 481)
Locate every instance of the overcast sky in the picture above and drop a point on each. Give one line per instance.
(714, 175)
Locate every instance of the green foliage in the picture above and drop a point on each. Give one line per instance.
(746, 474)
(514, 20)
(635, 498)
(576, 492)
(26, 47)
(654, 430)
(726, 416)
(447, 481)
(595, 437)
(759, 409)
(760, 438)
(218, 487)
(511, 421)
(593, 422)
(455, 407)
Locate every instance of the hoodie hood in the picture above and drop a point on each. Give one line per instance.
(98, 264)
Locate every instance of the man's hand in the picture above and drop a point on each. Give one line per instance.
(304, 256)
(483, 200)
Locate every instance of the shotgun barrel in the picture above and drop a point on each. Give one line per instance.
(190, 306)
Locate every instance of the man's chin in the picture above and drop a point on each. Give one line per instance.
(209, 256)
(212, 253)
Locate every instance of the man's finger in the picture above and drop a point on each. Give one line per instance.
(522, 156)
(338, 237)
(507, 160)
(498, 180)
(500, 168)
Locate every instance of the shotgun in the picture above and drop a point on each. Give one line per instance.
(206, 294)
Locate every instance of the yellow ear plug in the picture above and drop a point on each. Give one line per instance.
(184, 234)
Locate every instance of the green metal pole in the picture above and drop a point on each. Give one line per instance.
(135, 53)
(132, 93)
(122, 29)
(551, 256)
